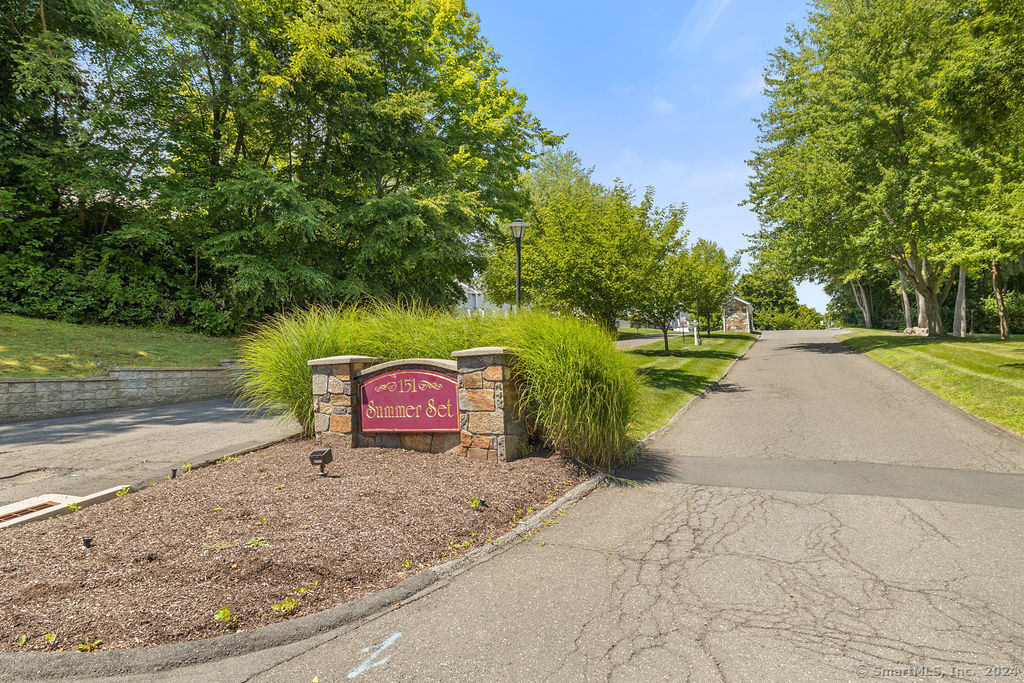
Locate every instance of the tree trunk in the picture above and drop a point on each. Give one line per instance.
(929, 314)
(945, 289)
(922, 316)
(696, 324)
(862, 302)
(997, 291)
(906, 300)
(960, 307)
(664, 332)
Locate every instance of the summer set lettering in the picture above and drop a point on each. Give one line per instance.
(410, 401)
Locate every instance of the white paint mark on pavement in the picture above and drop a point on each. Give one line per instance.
(368, 663)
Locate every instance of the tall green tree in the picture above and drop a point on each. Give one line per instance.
(668, 287)
(856, 160)
(206, 163)
(767, 288)
(982, 92)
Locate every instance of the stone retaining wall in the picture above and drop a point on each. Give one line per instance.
(122, 388)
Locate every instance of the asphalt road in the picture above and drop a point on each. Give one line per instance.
(637, 342)
(82, 454)
(818, 517)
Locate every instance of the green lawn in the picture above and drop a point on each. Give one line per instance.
(982, 375)
(45, 348)
(675, 379)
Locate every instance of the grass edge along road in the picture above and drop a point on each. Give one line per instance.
(674, 379)
(31, 347)
(980, 374)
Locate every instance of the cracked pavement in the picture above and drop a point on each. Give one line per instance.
(817, 514)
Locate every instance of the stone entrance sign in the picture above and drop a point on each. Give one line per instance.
(410, 401)
(469, 406)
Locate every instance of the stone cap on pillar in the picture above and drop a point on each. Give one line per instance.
(483, 351)
(340, 360)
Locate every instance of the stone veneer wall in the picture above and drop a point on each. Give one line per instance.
(491, 427)
(737, 318)
(121, 388)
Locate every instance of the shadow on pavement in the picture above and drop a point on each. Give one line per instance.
(726, 388)
(822, 347)
(62, 429)
(832, 477)
(652, 467)
(661, 378)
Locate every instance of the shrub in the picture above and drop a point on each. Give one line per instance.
(579, 394)
(1014, 302)
(799, 318)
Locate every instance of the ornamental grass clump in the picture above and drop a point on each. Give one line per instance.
(275, 377)
(579, 394)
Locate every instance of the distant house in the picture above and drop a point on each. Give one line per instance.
(474, 302)
(738, 315)
(682, 323)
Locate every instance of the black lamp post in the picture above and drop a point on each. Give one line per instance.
(518, 227)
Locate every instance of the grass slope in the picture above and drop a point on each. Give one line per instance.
(982, 375)
(675, 379)
(46, 348)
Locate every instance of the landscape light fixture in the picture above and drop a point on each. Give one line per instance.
(518, 227)
(322, 457)
(174, 472)
(86, 541)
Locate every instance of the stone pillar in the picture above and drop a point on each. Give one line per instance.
(492, 426)
(335, 402)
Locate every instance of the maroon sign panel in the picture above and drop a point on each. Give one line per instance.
(410, 401)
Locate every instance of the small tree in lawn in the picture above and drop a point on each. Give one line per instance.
(589, 247)
(669, 286)
(714, 279)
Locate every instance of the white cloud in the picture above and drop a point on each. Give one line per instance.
(662, 106)
(699, 22)
(749, 87)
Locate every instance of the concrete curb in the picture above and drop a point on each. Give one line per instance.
(933, 395)
(45, 665)
(63, 505)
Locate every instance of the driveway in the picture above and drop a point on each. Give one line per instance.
(816, 517)
(83, 454)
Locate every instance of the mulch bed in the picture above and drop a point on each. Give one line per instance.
(167, 558)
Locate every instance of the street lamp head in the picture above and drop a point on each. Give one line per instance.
(518, 227)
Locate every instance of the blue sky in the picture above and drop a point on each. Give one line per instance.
(656, 93)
